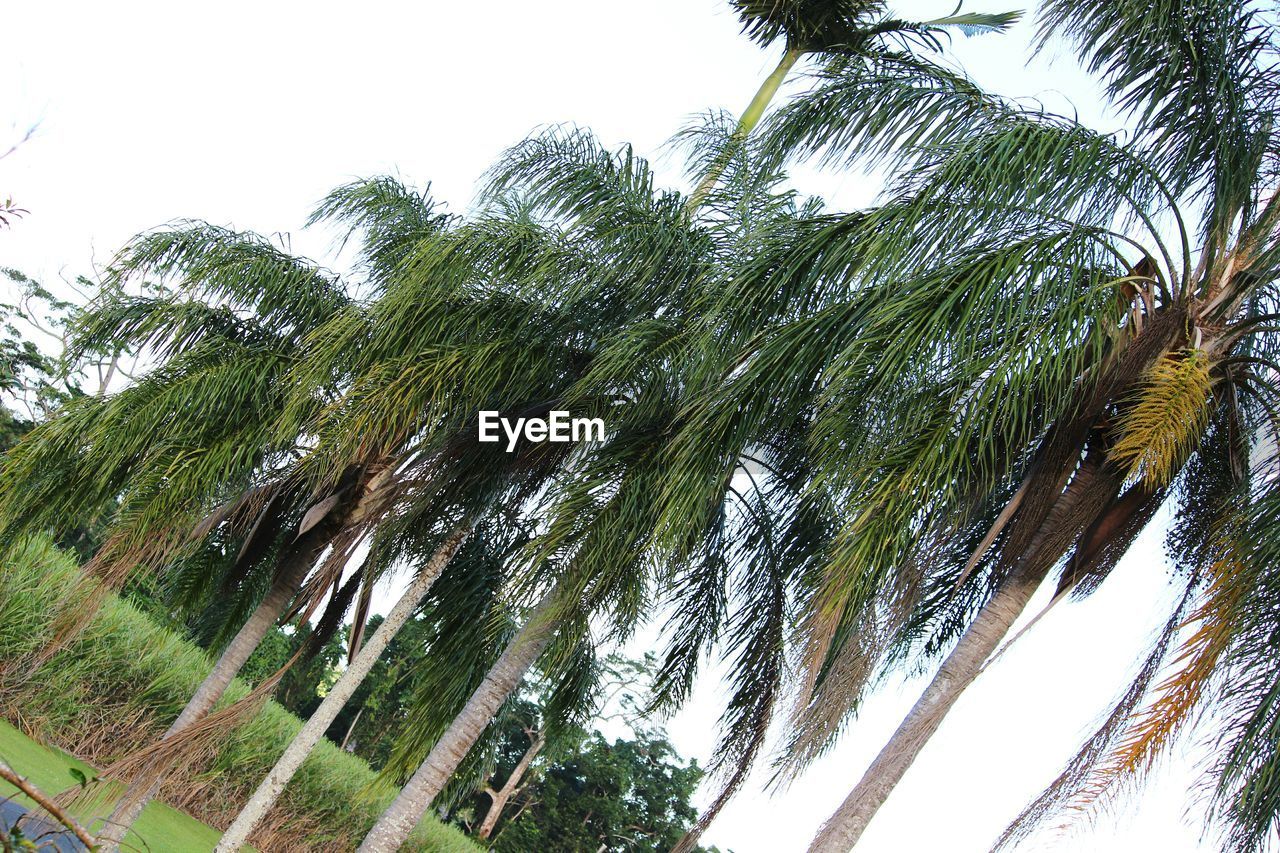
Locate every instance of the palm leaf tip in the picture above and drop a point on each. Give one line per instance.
(1166, 419)
(978, 23)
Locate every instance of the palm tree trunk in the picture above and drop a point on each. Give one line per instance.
(750, 118)
(398, 821)
(1086, 493)
(842, 831)
(313, 730)
(351, 729)
(247, 639)
(502, 795)
(1090, 489)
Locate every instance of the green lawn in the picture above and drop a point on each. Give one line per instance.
(126, 665)
(161, 829)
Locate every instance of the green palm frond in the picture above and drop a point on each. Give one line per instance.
(806, 23)
(223, 266)
(976, 23)
(847, 26)
(390, 216)
(1200, 78)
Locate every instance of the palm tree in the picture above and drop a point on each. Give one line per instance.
(471, 616)
(444, 500)
(598, 516)
(843, 28)
(387, 249)
(606, 570)
(411, 376)
(344, 508)
(195, 432)
(386, 258)
(239, 348)
(638, 254)
(412, 371)
(1050, 349)
(196, 427)
(827, 29)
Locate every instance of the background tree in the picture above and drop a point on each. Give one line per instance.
(368, 724)
(36, 378)
(624, 795)
(302, 686)
(530, 733)
(33, 378)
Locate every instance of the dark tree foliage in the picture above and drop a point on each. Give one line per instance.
(369, 722)
(624, 795)
(301, 689)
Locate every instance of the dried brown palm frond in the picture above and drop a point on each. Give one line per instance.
(192, 745)
(1151, 730)
(1079, 769)
(1109, 538)
(822, 707)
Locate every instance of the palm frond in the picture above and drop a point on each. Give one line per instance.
(1168, 416)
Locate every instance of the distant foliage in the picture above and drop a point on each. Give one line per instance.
(32, 381)
(624, 795)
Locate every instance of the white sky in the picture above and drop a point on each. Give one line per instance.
(247, 113)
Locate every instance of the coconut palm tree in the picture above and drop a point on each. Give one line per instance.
(598, 517)
(645, 261)
(443, 502)
(387, 260)
(396, 483)
(1053, 326)
(234, 330)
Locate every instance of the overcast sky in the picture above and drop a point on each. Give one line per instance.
(247, 113)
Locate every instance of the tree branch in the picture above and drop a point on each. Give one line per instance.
(43, 801)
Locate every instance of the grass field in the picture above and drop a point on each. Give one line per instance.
(121, 683)
(161, 829)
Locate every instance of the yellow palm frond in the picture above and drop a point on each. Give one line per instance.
(1167, 418)
(1153, 729)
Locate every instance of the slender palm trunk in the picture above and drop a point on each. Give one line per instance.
(313, 730)
(351, 729)
(398, 821)
(246, 640)
(842, 831)
(503, 794)
(750, 118)
(1092, 487)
